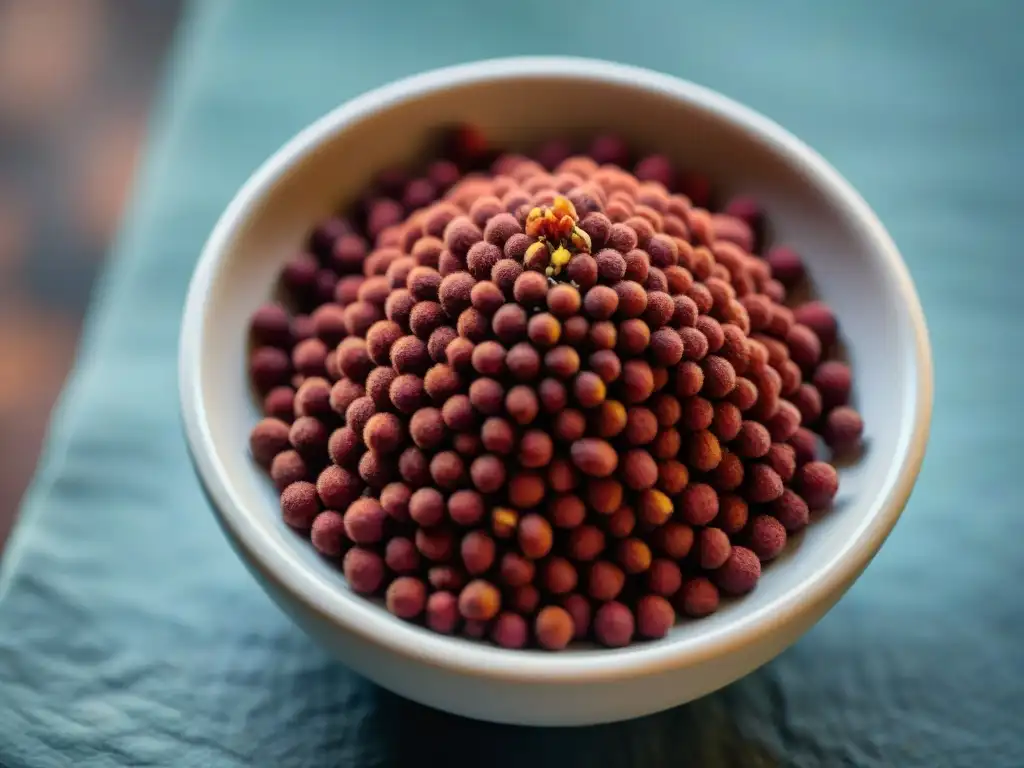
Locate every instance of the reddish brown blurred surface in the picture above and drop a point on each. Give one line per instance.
(76, 81)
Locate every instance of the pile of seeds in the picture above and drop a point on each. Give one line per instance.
(548, 399)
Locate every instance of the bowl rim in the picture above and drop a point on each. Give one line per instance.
(354, 613)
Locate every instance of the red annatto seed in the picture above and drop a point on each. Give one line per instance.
(455, 293)
(394, 499)
(530, 289)
(327, 534)
(791, 511)
(666, 347)
(656, 281)
(611, 266)
(664, 577)
(554, 628)
(603, 495)
(745, 394)
(425, 318)
(637, 381)
(563, 301)
(401, 556)
(268, 438)
(817, 482)
(842, 429)
(818, 316)
(786, 264)
(732, 513)
(600, 302)
(562, 361)
(639, 470)
(728, 475)
(759, 310)
(299, 275)
(667, 444)
(487, 473)
(782, 458)
(435, 544)
(605, 581)
(582, 270)
(535, 449)
(654, 507)
(784, 424)
(762, 484)
(413, 467)
(805, 443)
(399, 306)
(767, 537)
(364, 570)
(559, 576)
(701, 296)
(712, 331)
(379, 339)
(407, 393)
(704, 452)
(516, 570)
(697, 413)
(337, 487)
(521, 404)
(488, 358)
(603, 335)
(308, 357)
(598, 227)
(654, 616)
(833, 381)
(526, 490)
(562, 476)
(448, 470)
(667, 410)
(510, 630)
(364, 521)
(509, 323)
(408, 356)
(426, 252)
(279, 403)
(544, 330)
(497, 434)
(608, 419)
(589, 389)
(442, 612)
(288, 467)
(460, 235)
(631, 299)
(620, 523)
(344, 446)
(483, 208)
(695, 344)
(437, 344)
(384, 433)
(673, 476)
(804, 347)
(477, 551)
(360, 316)
(500, 227)
(633, 337)
(271, 326)
(505, 273)
(481, 258)
(406, 597)
(487, 396)
(308, 436)
(633, 555)
(398, 272)
(479, 600)
(578, 608)
(535, 536)
(441, 383)
(791, 376)
(638, 266)
(586, 542)
(697, 598)
(698, 504)
(467, 444)
(525, 599)
(641, 426)
(613, 625)
(753, 441)
(570, 425)
(376, 470)
(473, 325)
(740, 573)
(300, 504)
(727, 421)
(689, 378)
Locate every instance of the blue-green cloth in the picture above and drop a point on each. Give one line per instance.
(130, 635)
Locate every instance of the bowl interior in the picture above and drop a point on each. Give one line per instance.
(846, 254)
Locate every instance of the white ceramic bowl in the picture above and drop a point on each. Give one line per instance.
(855, 266)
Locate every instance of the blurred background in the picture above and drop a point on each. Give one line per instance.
(76, 82)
